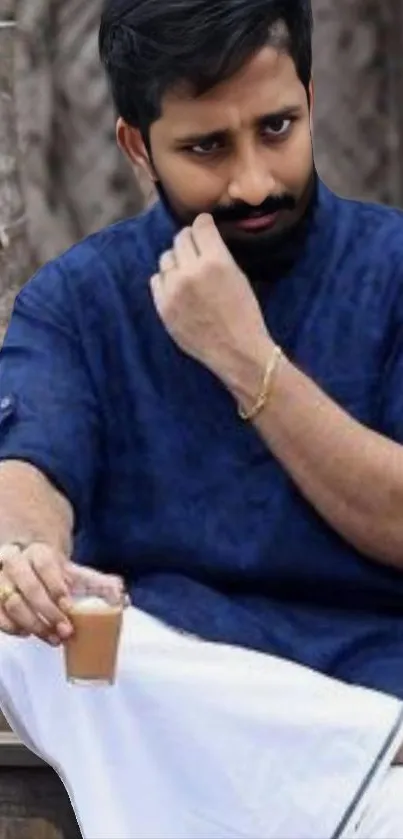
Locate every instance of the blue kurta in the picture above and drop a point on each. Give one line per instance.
(169, 487)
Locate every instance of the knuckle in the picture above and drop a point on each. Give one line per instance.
(213, 262)
(30, 591)
(37, 627)
(39, 549)
(12, 606)
(166, 259)
(48, 561)
(22, 623)
(41, 560)
(8, 561)
(183, 234)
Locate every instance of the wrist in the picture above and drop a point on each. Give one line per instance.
(244, 380)
(249, 413)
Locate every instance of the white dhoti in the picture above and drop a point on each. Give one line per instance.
(206, 741)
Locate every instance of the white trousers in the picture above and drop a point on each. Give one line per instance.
(384, 817)
(203, 741)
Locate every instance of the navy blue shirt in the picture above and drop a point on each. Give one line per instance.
(169, 486)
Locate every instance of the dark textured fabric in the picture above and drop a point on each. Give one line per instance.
(170, 488)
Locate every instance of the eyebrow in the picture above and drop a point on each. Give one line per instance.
(221, 133)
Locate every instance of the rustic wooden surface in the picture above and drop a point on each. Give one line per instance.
(15, 257)
(33, 801)
(23, 829)
(34, 805)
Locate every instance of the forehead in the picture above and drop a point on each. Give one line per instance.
(266, 84)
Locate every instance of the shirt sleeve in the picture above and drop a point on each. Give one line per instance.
(48, 408)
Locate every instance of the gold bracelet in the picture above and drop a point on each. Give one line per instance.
(264, 394)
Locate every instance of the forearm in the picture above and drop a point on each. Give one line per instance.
(351, 475)
(31, 509)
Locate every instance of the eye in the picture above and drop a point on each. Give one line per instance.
(205, 148)
(277, 127)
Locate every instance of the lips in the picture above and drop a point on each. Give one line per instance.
(258, 223)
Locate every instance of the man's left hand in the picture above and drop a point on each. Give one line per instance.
(207, 304)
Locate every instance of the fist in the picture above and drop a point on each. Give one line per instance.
(206, 302)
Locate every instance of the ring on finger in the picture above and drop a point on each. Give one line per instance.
(6, 591)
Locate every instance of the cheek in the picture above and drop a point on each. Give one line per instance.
(190, 185)
(297, 162)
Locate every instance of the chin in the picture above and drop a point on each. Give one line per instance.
(255, 238)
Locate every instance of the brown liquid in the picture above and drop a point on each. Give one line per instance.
(91, 653)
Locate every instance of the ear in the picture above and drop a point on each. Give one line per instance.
(131, 143)
(311, 101)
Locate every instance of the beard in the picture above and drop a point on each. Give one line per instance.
(276, 247)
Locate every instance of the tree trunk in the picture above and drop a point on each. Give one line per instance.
(75, 178)
(15, 257)
(358, 104)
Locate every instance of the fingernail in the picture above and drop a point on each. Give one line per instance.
(64, 630)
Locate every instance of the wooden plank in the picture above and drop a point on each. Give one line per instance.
(4, 726)
(36, 802)
(33, 801)
(14, 753)
(28, 829)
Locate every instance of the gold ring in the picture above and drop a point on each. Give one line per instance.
(6, 591)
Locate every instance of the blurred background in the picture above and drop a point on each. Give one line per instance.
(62, 176)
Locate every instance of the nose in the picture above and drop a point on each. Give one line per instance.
(250, 180)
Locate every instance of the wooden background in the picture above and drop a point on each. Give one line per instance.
(33, 801)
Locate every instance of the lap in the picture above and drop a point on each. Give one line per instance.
(169, 665)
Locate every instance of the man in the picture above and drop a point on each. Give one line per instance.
(207, 400)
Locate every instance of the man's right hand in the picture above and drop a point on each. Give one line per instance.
(34, 591)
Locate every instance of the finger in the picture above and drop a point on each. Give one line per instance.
(167, 262)
(9, 627)
(50, 567)
(157, 291)
(35, 576)
(156, 285)
(7, 552)
(185, 247)
(17, 611)
(48, 583)
(93, 582)
(206, 236)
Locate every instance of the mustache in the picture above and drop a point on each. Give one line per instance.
(243, 212)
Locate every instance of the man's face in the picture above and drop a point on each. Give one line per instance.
(242, 151)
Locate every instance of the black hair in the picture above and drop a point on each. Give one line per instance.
(151, 46)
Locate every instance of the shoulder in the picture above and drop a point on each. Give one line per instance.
(374, 229)
(117, 257)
